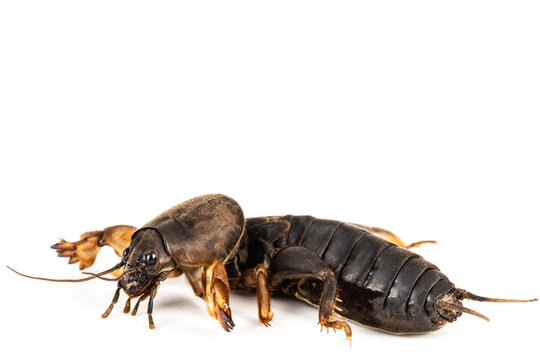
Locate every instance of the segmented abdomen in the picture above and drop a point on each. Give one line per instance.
(381, 285)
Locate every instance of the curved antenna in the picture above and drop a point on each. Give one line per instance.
(116, 267)
(99, 276)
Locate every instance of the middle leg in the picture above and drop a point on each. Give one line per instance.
(257, 278)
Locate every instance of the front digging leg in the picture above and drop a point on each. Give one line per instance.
(85, 250)
(216, 290)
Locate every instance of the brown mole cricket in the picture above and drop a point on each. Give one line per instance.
(360, 273)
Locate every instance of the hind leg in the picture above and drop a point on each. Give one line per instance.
(393, 238)
(285, 266)
(85, 250)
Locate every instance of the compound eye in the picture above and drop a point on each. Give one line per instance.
(126, 253)
(140, 260)
(151, 258)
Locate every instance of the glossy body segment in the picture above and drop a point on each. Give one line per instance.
(381, 285)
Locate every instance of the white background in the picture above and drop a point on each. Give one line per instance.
(417, 116)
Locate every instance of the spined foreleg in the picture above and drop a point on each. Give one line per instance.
(216, 289)
(85, 250)
(210, 283)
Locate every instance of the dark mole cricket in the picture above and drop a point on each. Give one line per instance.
(364, 274)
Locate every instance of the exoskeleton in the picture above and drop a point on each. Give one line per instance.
(360, 273)
(364, 274)
(194, 238)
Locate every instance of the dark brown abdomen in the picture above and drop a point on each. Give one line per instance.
(381, 285)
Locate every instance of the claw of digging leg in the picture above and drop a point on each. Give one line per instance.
(63, 246)
(225, 320)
